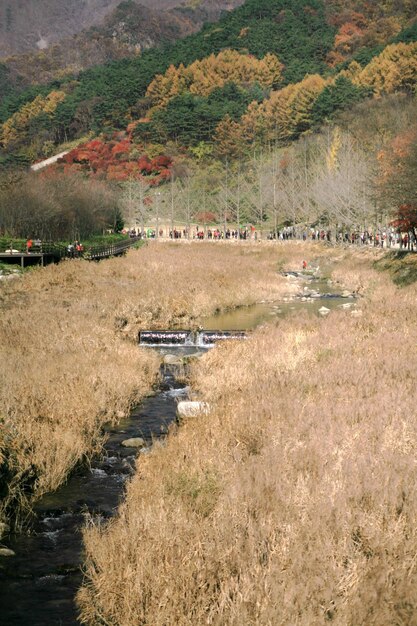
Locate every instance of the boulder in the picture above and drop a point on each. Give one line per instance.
(346, 294)
(7, 552)
(323, 311)
(186, 408)
(357, 313)
(134, 442)
(348, 305)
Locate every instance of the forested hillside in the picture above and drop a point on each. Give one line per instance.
(267, 75)
(306, 37)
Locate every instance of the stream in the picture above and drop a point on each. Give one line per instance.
(39, 583)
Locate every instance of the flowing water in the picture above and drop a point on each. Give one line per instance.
(312, 297)
(39, 583)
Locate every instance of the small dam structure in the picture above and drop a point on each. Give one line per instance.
(192, 338)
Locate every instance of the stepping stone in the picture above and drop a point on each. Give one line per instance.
(134, 442)
(192, 409)
(7, 552)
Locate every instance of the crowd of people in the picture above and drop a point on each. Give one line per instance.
(383, 238)
(217, 233)
(195, 233)
(387, 238)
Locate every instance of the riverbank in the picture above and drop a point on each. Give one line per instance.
(70, 360)
(294, 501)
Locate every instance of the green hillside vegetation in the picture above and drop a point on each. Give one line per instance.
(190, 119)
(108, 97)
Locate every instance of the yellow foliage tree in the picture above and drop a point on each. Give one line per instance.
(253, 123)
(16, 127)
(301, 103)
(166, 86)
(287, 112)
(202, 77)
(393, 70)
(352, 72)
(333, 151)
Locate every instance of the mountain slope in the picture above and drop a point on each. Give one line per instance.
(27, 25)
(128, 28)
(300, 35)
(125, 32)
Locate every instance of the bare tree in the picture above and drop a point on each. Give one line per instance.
(343, 185)
(134, 195)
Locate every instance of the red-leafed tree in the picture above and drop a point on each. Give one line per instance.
(116, 160)
(398, 173)
(406, 219)
(160, 162)
(144, 165)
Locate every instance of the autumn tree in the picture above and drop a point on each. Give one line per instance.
(398, 173)
(286, 113)
(204, 76)
(393, 70)
(32, 126)
(116, 160)
(228, 139)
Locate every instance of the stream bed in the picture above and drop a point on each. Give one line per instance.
(313, 293)
(38, 584)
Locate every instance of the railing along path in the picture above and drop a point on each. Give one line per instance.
(50, 252)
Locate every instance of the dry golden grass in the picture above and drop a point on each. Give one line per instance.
(294, 502)
(68, 364)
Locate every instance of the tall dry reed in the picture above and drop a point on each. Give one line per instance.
(294, 502)
(69, 362)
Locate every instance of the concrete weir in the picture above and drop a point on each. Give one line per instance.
(199, 338)
(166, 337)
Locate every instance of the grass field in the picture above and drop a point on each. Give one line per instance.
(69, 355)
(294, 502)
